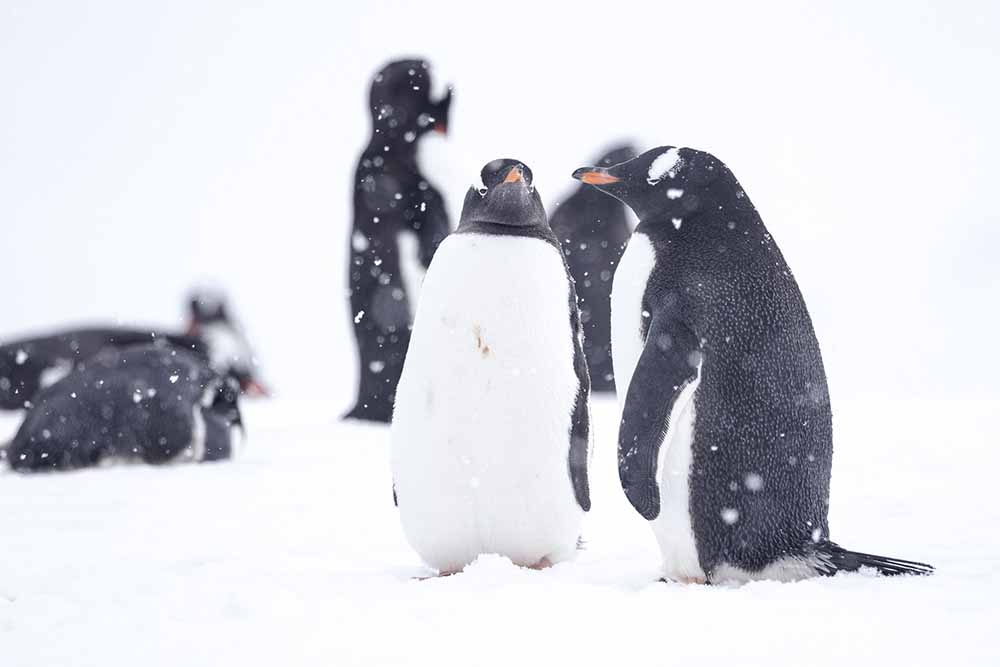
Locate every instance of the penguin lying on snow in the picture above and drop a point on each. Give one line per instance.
(593, 230)
(31, 364)
(491, 431)
(399, 220)
(725, 441)
(144, 403)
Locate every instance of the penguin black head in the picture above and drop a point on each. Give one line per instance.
(666, 181)
(400, 101)
(507, 197)
(228, 348)
(206, 307)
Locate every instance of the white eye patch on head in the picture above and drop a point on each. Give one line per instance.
(666, 163)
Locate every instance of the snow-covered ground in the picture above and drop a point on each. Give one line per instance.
(293, 555)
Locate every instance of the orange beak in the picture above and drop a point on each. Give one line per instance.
(596, 177)
(514, 175)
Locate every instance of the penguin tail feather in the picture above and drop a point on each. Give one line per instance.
(834, 558)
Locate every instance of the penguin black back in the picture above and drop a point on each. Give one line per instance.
(31, 364)
(146, 403)
(593, 230)
(721, 316)
(399, 220)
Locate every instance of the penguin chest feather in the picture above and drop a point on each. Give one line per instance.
(673, 526)
(481, 428)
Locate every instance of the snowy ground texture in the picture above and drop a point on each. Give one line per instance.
(293, 555)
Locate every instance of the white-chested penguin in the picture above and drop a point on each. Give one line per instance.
(491, 429)
(399, 220)
(725, 440)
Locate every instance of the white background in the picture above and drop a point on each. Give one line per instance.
(145, 147)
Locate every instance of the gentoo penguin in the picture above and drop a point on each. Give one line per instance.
(227, 346)
(399, 220)
(145, 403)
(725, 440)
(593, 230)
(491, 431)
(32, 364)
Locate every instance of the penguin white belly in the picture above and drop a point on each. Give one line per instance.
(672, 526)
(411, 271)
(627, 290)
(481, 428)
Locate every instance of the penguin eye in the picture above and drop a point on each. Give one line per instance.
(483, 191)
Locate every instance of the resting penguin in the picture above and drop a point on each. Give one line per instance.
(399, 220)
(143, 403)
(593, 230)
(725, 440)
(30, 364)
(491, 431)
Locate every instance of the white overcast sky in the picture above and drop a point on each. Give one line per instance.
(148, 146)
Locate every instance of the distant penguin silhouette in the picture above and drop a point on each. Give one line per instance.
(725, 443)
(228, 349)
(29, 365)
(491, 434)
(144, 403)
(399, 220)
(593, 230)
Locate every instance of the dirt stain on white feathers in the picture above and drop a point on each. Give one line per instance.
(481, 343)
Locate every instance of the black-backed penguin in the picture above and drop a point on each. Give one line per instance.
(593, 230)
(31, 364)
(144, 403)
(399, 220)
(725, 440)
(226, 343)
(491, 431)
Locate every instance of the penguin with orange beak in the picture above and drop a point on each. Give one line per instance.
(399, 220)
(725, 441)
(491, 432)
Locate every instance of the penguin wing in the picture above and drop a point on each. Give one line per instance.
(669, 362)
(579, 443)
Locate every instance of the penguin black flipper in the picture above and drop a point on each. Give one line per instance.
(669, 359)
(579, 444)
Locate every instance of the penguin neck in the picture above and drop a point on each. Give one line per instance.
(395, 143)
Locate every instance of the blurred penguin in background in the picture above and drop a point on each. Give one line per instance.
(399, 220)
(228, 349)
(145, 403)
(593, 230)
(29, 365)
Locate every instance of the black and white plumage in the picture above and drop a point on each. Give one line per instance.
(399, 220)
(725, 443)
(143, 403)
(593, 230)
(491, 431)
(28, 365)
